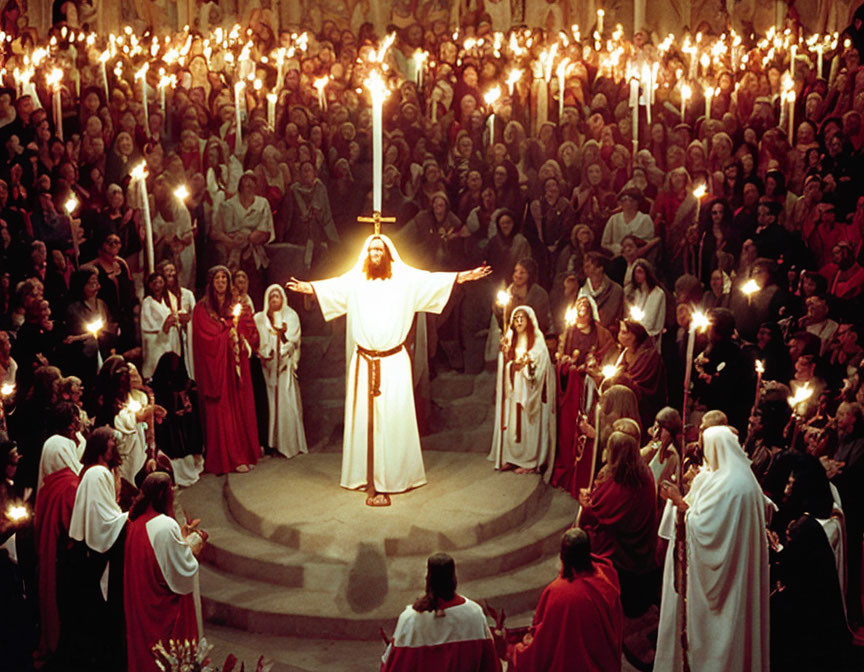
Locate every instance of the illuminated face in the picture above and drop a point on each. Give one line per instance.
(157, 285)
(639, 275)
(520, 276)
(520, 322)
(274, 301)
(505, 224)
(241, 282)
(595, 175)
(376, 252)
(220, 282)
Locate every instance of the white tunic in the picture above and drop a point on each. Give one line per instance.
(58, 452)
(173, 554)
(155, 342)
(525, 431)
(131, 439)
(379, 317)
(727, 574)
(285, 432)
(96, 517)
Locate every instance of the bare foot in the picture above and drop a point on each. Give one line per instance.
(523, 470)
(506, 467)
(378, 499)
(242, 469)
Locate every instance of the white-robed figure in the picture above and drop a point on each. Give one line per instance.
(279, 352)
(524, 434)
(380, 296)
(727, 566)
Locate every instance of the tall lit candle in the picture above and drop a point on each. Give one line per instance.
(271, 110)
(561, 71)
(686, 92)
(512, 78)
(634, 105)
(698, 322)
(790, 97)
(238, 133)
(646, 91)
(419, 59)
(491, 96)
(377, 88)
(54, 78)
(320, 85)
(103, 60)
(164, 83)
(139, 174)
(698, 193)
(820, 48)
(600, 15)
(142, 75)
(792, 53)
(709, 95)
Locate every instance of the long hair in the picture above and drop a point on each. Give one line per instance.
(149, 292)
(625, 465)
(97, 445)
(669, 419)
(384, 271)
(650, 276)
(511, 352)
(223, 310)
(79, 279)
(155, 492)
(440, 583)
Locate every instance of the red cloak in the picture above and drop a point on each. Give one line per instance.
(578, 625)
(154, 612)
(54, 505)
(230, 428)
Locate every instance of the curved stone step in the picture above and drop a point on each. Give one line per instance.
(464, 504)
(233, 549)
(256, 606)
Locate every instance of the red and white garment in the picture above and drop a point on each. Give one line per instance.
(159, 579)
(458, 641)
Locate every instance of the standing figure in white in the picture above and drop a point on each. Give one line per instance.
(380, 295)
(279, 352)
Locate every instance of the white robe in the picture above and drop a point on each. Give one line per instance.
(727, 575)
(131, 439)
(96, 517)
(379, 317)
(154, 341)
(59, 452)
(173, 554)
(525, 431)
(285, 432)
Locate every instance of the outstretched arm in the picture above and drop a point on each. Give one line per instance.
(474, 274)
(299, 286)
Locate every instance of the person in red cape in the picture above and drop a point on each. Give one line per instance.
(54, 505)
(160, 572)
(442, 631)
(620, 515)
(585, 341)
(578, 624)
(221, 348)
(643, 370)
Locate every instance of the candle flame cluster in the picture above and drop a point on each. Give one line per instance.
(802, 394)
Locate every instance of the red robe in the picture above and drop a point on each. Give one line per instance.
(154, 612)
(578, 625)
(459, 641)
(622, 523)
(54, 505)
(230, 428)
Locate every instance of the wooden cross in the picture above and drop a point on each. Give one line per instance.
(376, 219)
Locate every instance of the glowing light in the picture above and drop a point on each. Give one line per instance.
(134, 405)
(236, 310)
(95, 326)
(17, 513)
(699, 321)
(7, 389)
(609, 371)
(760, 366)
(570, 316)
(801, 395)
(503, 298)
(71, 205)
(750, 287)
(181, 193)
(139, 172)
(636, 313)
(700, 191)
(492, 95)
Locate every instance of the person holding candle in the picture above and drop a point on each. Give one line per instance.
(279, 351)
(646, 298)
(88, 326)
(116, 288)
(159, 323)
(629, 221)
(221, 348)
(525, 426)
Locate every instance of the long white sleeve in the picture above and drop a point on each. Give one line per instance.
(96, 517)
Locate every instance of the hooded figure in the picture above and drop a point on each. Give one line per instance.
(279, 352)
(727, 567)
(525, 420)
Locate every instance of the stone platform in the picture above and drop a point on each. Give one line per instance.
(293, 554)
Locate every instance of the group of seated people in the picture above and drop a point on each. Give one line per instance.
(603, 267)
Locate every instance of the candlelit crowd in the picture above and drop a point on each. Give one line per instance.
(674, 310)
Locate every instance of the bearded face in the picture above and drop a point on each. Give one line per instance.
(378, 264)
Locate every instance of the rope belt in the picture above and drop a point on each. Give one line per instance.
(373, 360)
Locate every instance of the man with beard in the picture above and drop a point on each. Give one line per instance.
(380, 295)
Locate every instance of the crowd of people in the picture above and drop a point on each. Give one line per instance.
(144, 330)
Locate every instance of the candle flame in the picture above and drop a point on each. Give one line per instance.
(492, 95)
(570, 316)
(17, 513)
(760, 366)
(134, 405)
(801, 395)
(236, 310)
(609, 371)
(7, 389)
(503, 298)
(71, 205)
(181, 192)
(700, 191)
(139, 172)
(636, 313)
(699, 321)
(376, 86)
(750, 287)
(95, 326)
